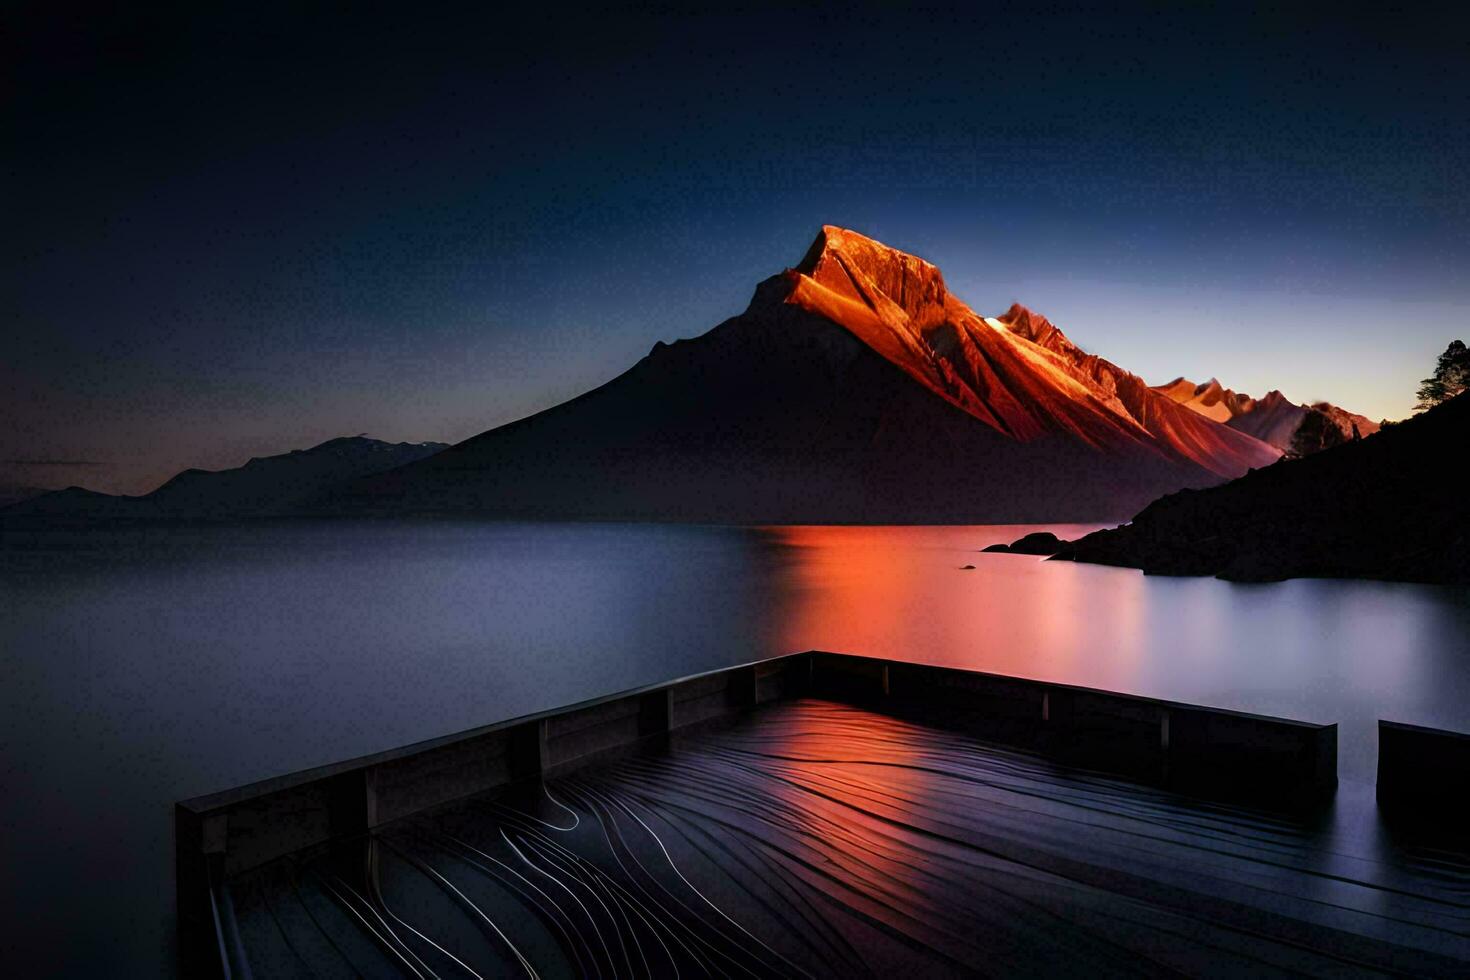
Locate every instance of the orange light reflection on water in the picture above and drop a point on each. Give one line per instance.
(902, 593)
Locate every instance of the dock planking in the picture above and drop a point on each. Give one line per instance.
(813, 837)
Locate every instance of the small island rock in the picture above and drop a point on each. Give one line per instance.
(1036, 543)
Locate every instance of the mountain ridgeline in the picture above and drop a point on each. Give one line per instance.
(268, 486)
(1296, 430)
(855, 387)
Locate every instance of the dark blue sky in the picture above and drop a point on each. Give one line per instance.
(234, 234)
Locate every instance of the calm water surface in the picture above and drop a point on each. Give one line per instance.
(139, 668)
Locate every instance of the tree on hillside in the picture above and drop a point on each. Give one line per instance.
(1451, 376)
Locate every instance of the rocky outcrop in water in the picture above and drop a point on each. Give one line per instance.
(1036, 543)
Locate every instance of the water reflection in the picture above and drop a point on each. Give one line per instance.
(1320, 650)
(903, 592)
(144, 667)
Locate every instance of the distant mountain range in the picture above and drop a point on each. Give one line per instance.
(1296, 430)
(12, 493)
(264, 487)
(1389, 507)
(855, 387)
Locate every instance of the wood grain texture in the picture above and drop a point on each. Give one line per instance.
(812, 838)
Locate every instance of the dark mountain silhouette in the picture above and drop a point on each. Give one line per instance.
(854, 388)
(265, 486)
(1297, 430)
(1389, 507)
(14, 493)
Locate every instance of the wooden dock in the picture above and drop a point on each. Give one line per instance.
(824, 815)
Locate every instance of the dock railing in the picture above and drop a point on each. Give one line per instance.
(1187, 747)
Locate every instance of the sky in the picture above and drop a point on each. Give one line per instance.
(239, 232)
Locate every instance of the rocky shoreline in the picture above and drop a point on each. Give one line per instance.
(1385, 507)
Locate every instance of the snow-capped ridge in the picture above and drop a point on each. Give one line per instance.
(1273, 418)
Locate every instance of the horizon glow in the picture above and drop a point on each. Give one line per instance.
(239, 233)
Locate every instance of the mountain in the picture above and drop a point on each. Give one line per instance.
(854, 388)
(1210, 445)
(14, 493)
(265, 486)
(1295, 429)
(1387, 507)
(1211, 399)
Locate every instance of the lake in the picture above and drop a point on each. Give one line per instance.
(141, 667)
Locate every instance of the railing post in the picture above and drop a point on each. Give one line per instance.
(743, 687)
(1164, 743)
(352, 801)
(656, 712)
(199, 855)
(529, 754)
